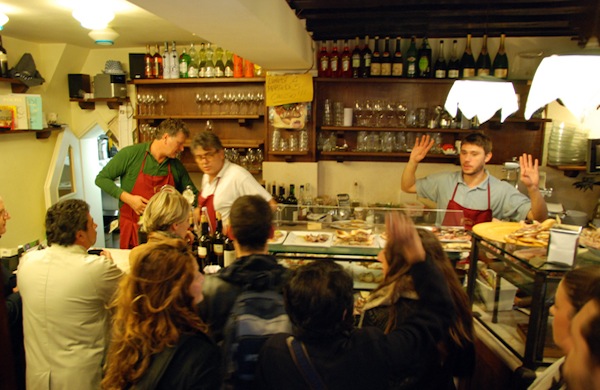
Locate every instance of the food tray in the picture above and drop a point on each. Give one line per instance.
(278, 237)
(352, 225)
(497, 231)
(375, 243)
(298, 239)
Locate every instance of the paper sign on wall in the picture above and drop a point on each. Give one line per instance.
(289, 88)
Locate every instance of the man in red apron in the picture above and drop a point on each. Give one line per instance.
(144, 169)
(472, 190)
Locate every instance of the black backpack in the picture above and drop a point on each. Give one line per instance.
(254, 317)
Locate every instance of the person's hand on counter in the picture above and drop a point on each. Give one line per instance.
(136, 202)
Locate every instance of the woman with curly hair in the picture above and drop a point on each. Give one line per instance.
(158, 340)
(394, 300)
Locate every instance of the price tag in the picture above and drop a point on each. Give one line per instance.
(289, 88)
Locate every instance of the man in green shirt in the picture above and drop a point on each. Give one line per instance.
(143, 169)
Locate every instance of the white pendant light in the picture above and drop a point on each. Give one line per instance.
(3, 20)
(105, 36)
(93, 15)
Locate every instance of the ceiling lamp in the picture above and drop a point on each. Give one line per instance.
(572, 78)
(105, 37)
(92, 15)
(3, 20)
(482, 96)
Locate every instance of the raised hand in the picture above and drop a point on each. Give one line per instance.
(422, 146)
(530, 174)
(401, 229)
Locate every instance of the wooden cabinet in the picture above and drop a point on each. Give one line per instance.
(510, 139)
(234, 107)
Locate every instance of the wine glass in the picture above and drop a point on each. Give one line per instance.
(207, 103)
(162, 100)
(199, 101)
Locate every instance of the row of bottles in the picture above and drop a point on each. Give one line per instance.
(417, 62)
(206, 62)
(215, 249)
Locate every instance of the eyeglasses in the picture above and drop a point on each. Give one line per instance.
(206, 156)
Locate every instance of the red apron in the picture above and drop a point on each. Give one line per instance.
(209, 203)
(146, 186)
(470, 217)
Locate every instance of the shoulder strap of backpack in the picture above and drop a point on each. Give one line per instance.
(304, 364)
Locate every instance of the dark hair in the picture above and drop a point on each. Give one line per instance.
(172, 127)
(250, 219)
(319, 300)
(579, 285)
(591, 330)
(64, 219)
(206, 140)
(479, 139)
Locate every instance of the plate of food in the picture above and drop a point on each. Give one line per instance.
(278, 237)
(363, 238)
(452, 234)
(351, 224)
(308, 238)
(590, 239)
(518, 233)
(456, 246)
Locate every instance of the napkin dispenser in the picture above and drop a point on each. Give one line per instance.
(562, 247)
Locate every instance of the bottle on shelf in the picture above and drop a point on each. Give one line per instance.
(365, 59)
(376, 60)
(148, 64)
(440, 68)
(323, 61)
(302, 210)
(454, 63)
(274, 192)
(204, 242)
(184, 64)
(228, 63)
(3, 61)
(193, 65)
(281, 196)
(397, 60)
(219, 64)
(386, 59)
(484, 63)
(467, 62)
(500, 65)
(335, 61)
(209, 67)
(157, 70)
(202, 61)
(346, 58)
(291, 198)
(228, 251)
(218, 242)
(412, 70)
(166, 62)
(356, 58)
(238, 66)
(174, 61)
(425, 59)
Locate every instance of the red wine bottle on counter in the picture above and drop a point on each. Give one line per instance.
(204, 244)
(218, 242)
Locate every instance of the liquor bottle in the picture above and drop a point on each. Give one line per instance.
(202, 61)
(412, 70)
(3, 61)
(467, 62)
(204, 243)
(157, 70)
(376, 60)
(148, 64)
(484, 63)
(346, 58)
(302, 210)
(365, 59)
(238, 66)
(454, 63)
(219, 64)
(166, 62)
(274, 192)
(209, 67)
(281, 197)
(386, 59)
(228, 64)
(398, 61)
(174, 61)
(218, 242)
(228, 251)
(335, 62)
(356, 58)
(184, 64)
(440, 69)
(424, 60)
(500, 65)
(194, 64)
(323, 61)
(291, 199)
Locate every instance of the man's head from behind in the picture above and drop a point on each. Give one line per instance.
(69, 222)
(319, 300)
(250, 220)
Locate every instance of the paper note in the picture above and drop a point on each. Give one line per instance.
(289, 88)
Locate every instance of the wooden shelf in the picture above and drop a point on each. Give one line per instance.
(200, 80)
(192, 116)
(237, 143)
(16, 84)
(90, 104)
(569, 170)
(396, 129)
(39, 134)
(370, 156)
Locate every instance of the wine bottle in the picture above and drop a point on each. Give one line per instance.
(346, 61)
(386, 59)
(157, 70)
(3, 61)
(323, 61)
(174, 61)
(281, 197)
(202, 61)
(209, 66)
(467, 62)
(334, 62)
(425, 59)
(228, 63)
(411, 59)
(218, 242)
(376, 60)
(148, 64)
(454, 63)
(484, 63)
(397, 60)
(440, 68)
(356, 58)
(228, 251)
(193, 65)
(219, 64)
(204, 243)
(166, 62)
(500, 65)
(184, 64)
(365, 59)
(291, 198)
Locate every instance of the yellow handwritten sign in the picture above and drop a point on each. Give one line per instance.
(289, 88)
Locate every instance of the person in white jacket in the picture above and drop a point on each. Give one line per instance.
(65, 293)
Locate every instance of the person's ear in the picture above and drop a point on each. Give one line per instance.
(488, 157)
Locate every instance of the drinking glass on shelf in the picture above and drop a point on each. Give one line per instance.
(391, 120)
(150, 100)
(368, 113)
(378, 113)
(227, 103)
(259, 159)
(140, 104)
(259, 99)
(162, 100)
(207, 99)
(216, 109)
(401, 109)
(358, 113)
(199, 101)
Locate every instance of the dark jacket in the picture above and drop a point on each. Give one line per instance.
(367, 358)
(220, 291)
